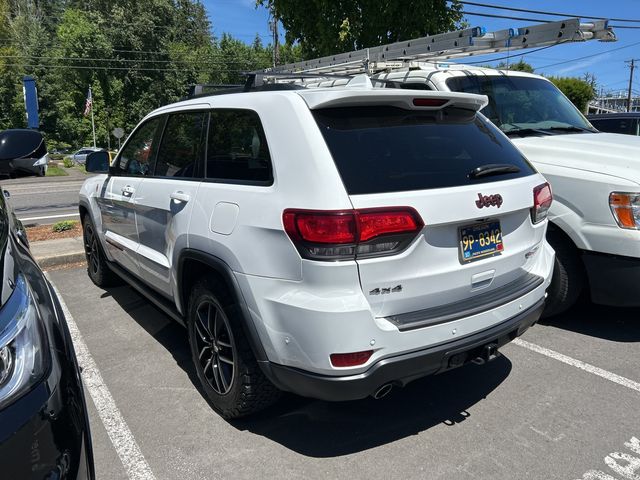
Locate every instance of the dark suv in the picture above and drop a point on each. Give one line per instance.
(623, 122)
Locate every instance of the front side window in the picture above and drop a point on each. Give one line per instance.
(237, 148)
(137, 156)
(182, 148)
(616, 125)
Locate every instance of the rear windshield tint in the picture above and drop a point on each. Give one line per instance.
(388, 149)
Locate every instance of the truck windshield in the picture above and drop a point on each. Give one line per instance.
(523, 104)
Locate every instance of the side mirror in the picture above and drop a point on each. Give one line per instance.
(97, 162)
(21, 143)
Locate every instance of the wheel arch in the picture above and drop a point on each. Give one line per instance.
(84, 209)
(194, 264)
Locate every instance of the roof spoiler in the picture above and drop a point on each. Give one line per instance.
(407, 99)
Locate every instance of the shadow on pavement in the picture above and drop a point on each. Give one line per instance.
(609, 323)
(323, 429)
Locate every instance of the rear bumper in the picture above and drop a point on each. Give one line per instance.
(404, 368)
(613, 280)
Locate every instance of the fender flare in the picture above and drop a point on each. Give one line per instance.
(223, 269)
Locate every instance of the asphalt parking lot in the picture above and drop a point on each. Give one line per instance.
(564, 404)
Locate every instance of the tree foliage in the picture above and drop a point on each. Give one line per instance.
(135, 54)
(324, 27)
(579, 91)
(520, 66)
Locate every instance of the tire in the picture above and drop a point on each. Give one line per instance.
(226, 367)
(568, 276)
(97, 267)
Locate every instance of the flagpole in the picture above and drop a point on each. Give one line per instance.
(93, 123)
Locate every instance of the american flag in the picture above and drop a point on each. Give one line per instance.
(88, 104)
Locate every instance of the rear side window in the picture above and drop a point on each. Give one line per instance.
(181, 151)
(138, 154)
(628, 126)
(237, 150)
(388, 149)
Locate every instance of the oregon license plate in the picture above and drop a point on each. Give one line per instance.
(481, 240)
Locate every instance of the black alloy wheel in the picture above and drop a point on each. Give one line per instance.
(214, 340)
(91, 249)
(226, 367)
(97, 267)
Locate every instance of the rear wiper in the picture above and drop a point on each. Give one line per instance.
(493, 169)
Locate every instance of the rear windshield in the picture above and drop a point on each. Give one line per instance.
(388, 149)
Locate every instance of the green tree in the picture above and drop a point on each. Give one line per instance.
(136, 55)
(520, 66)
(578, 91)
(324, 27)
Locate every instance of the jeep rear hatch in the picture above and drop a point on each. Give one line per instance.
(442, 205)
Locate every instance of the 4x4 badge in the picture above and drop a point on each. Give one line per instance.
(489, 200)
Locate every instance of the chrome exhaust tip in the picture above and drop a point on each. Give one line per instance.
(383, 391)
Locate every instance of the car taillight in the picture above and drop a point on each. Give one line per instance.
(542, 199)
(430, 102)
(347, 234)
(626, 209)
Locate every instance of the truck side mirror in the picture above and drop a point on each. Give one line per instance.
(97, 162)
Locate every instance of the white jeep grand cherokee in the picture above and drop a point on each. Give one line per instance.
(328, 242)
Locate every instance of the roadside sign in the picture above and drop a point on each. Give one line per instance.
(118, 133)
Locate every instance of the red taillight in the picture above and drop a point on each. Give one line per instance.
(542, 199)
(429, 102)
(343, 234)
(322, 227)
(350, 359)
(375, 223)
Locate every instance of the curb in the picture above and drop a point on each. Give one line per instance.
(62, 259)
(56, 252)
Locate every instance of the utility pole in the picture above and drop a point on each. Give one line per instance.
(633, 66)
(276, 40)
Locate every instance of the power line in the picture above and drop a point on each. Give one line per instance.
(490, 15)
(542, 12)
(130, 69)
(518, 54)
(589, 56)
(212, 61)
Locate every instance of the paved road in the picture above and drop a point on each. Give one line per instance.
(45, 200)
(562, 403)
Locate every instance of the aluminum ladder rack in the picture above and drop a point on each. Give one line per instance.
(458, 44)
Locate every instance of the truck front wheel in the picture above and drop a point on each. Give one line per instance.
(568, 275)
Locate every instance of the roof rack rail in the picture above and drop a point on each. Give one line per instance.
(259, 82)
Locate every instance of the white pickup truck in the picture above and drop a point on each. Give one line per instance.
(595, 216)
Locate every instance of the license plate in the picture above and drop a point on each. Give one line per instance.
(481, 240)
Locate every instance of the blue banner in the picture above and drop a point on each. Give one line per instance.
(31, 102)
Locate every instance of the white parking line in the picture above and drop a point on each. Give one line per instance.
(30, 219)
(612, 377)
(121, 437)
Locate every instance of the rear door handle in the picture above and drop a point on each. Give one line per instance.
(128, 191)
(180, 196)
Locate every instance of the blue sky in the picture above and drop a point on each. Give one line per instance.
(243, 21)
